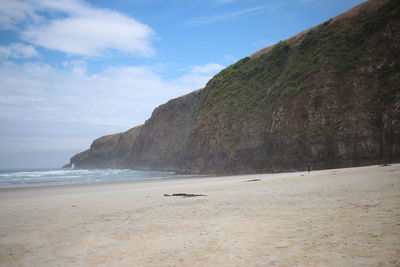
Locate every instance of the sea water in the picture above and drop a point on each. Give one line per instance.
(45, 177)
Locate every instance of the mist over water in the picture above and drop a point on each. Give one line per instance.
(44, 177)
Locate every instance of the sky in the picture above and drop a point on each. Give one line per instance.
(74, 70)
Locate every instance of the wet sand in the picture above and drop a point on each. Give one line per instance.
(343, 217)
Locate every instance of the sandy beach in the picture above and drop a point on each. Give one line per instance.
(343, 217)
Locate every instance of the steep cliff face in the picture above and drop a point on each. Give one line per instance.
(162, 143)
(111, 151)
(329, 97)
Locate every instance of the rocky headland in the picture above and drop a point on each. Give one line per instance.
(328, 97)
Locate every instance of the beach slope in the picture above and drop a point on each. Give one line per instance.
(341, 217)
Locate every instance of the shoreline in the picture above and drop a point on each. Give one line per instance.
(177, 177)
(59, 180)
(336, 217)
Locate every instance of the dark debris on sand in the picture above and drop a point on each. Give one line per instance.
(253, 180)
(184, 195)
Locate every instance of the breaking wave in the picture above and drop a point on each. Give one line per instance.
(21, 178)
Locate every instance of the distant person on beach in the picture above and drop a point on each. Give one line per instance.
(308, 166)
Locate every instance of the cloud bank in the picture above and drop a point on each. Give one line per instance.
(121, 95)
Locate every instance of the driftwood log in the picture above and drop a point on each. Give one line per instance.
(184, 195)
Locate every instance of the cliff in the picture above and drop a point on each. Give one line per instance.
(329, 97)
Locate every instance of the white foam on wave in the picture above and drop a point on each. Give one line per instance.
(39, 174)
(66, 176)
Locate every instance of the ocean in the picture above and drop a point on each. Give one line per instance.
(45, 177)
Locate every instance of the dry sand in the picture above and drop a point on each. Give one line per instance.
(344, 217)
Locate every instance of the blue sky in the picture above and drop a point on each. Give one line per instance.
(72, 71)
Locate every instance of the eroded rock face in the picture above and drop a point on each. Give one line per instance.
(111, 151)
(329, 97)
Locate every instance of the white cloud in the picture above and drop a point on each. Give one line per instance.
(17, 50)
(76, 66)
(223, 16)
(207, 69)
(123, 95)
(197, 76)
(13, 12)
(76, 28)
(230, 59)
(93, 35)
